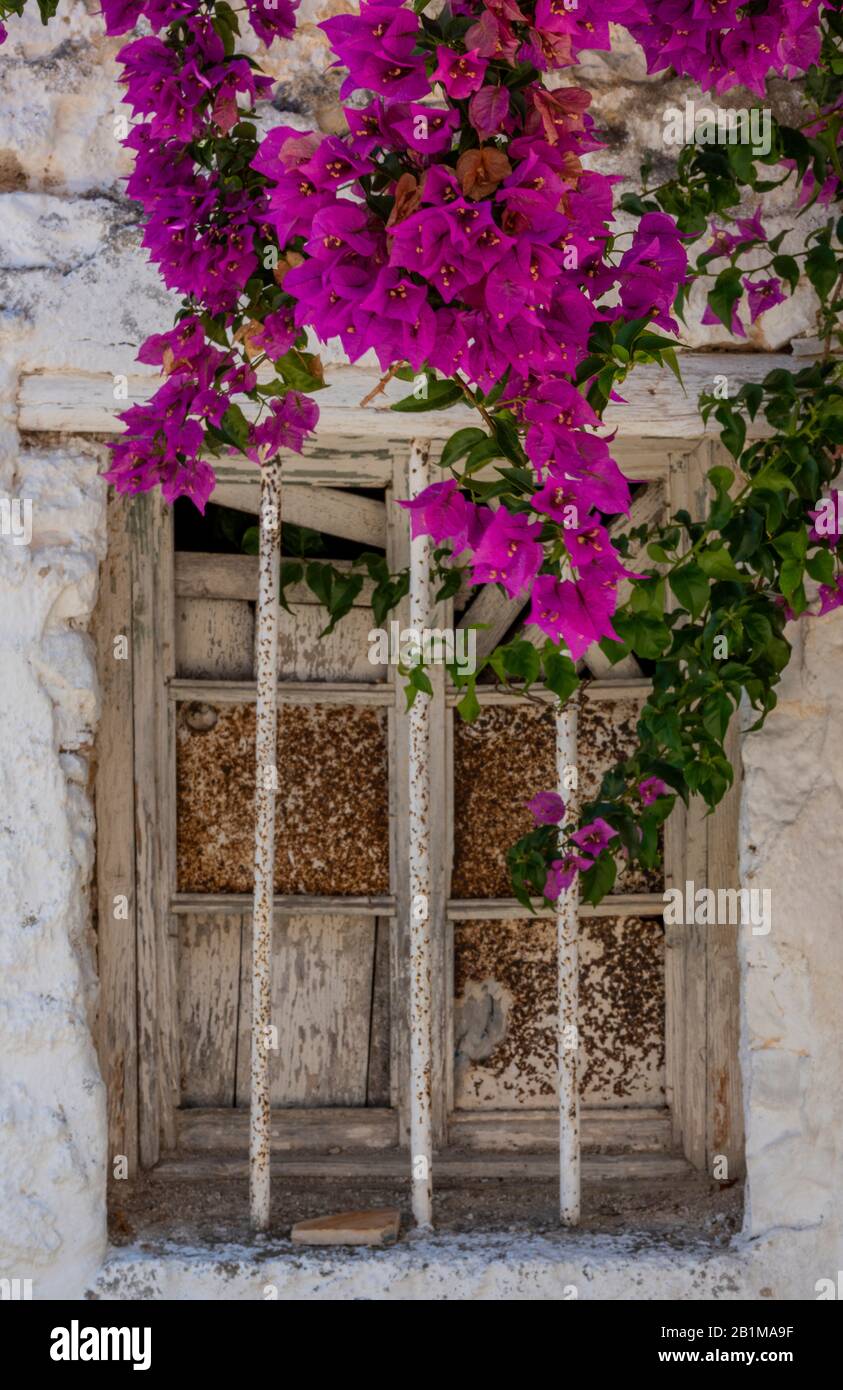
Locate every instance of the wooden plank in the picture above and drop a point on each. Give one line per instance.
(218, 692)
(493, 608)
(326, 460)
(305, 653)
(154, 773)
(210, 576)
(208, 1002)
(725, 1125)
(216, 1130)
(321, 1004)
(656, 405)
(450, 1166)
(215, 639)
(330, 510)
(637, 688)
(616, 905)
(291, 1130)
(290, 693)
(115, 872)
(635, 1129)
(398, 558)
(294, 904)
(378, 1076)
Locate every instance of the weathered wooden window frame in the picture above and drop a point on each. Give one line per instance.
(138, 1028)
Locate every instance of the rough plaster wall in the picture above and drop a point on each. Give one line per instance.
(790, 837)
(52, 1104)
(77, 295)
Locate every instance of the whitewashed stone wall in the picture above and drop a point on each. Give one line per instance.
(76, 295)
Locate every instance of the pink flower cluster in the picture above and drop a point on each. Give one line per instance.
(724, 44)
(202, 230)
(488, 259)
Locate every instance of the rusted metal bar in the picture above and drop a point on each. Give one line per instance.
(567, 964)
(266, 784)
(421, 1022)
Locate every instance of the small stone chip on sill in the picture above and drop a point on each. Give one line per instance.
(379, 1227)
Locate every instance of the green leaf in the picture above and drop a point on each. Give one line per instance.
(691, 587)
(235, 427)
(460, 444)
(440, 395)
(820, 566)
(302, 371)
(599, 880)
(718, 564)
(725, 294)
(291, 573)
(560, 673)
(788, 269)
(821, 269)
(468, 707)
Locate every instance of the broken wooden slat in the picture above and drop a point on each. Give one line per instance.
(496, 611)
(206, 575)
(330, 510)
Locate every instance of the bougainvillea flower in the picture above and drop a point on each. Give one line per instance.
(561, 874)
(750, 228)
(651, 789)
(831, 596)
(441, 511)
(509, 552)
(377, 46)
(427, 129)
(593, 838)
(736, 328)
(291, 419)
(460, 73)
(763, 295)
(546, 808)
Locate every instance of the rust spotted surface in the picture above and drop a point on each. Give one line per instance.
(502, 760)
(505, 1013)
(607, 736)
(332, 814)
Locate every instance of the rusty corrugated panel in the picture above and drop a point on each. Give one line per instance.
(332, 831)
(506, 756)
(505, 1013)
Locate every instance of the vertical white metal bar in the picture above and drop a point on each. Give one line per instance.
(421, 1030)
(266, 781)
(567, 963)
